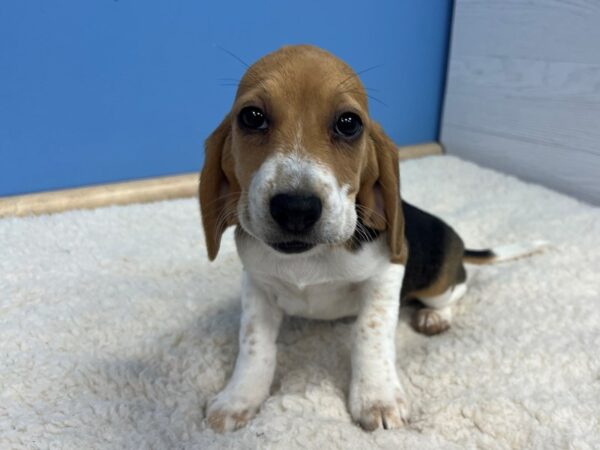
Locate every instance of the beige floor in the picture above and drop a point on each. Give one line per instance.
(116, 330)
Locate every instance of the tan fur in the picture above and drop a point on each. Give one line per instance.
(302, 89)
(442, 283)
(449, 274)
(219, 189)
(381, 184)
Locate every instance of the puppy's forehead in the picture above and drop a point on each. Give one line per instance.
(301, 71)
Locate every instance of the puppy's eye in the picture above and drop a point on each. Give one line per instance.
(348, 125)
(253, 118)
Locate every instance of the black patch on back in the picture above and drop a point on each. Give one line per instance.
(429, 242)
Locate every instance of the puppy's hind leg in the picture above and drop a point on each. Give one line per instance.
(436, 316)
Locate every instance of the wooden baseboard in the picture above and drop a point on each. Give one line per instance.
(142, 191)
(420, 150)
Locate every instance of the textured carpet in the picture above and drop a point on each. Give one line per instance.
(115, 330)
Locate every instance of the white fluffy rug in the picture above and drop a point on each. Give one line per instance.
(115, 330)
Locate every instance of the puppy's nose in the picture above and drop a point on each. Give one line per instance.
(295, 213)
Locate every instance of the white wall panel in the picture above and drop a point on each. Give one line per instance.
(523, 92)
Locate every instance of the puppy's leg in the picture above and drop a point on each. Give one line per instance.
(255, 366)
(436, 317)
(377, 399)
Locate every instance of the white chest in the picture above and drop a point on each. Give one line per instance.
(323, 284)
(325, 301)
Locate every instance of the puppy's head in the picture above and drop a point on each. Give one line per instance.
(297, 162)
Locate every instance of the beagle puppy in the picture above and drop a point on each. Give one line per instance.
(312, 185)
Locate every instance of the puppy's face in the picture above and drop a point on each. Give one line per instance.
(295, 153)
(298, 144)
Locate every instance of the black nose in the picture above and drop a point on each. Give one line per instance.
(295, 213)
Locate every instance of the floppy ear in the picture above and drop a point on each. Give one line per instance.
(380, 205)
(219, 188)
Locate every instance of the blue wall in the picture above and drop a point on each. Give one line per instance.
(104, 90)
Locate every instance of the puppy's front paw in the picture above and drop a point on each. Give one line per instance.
(228, 412)
(378, 407)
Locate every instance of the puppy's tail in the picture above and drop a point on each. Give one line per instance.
(503, 253)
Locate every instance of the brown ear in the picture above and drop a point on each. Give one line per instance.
(380, 206)
(219, 189)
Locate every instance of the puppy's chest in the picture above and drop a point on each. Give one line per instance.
(325, 301)
(314, 291)
(324, 286)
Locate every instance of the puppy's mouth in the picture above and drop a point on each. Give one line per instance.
(291, 247)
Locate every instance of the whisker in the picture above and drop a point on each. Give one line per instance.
(368, 69)
(224, 218)
(378, 101)
(365, 235)
(222, 197)
(236, 85)
(368, 95)
(356, 74)
(360, 234)
(364, 209)
(233, 55)
(229, 212)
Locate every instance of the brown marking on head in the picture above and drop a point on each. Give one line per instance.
(302, 90)
(373, 324)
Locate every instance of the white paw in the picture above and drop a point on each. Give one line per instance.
(376, 407)
(228, 412)
(432, 321)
